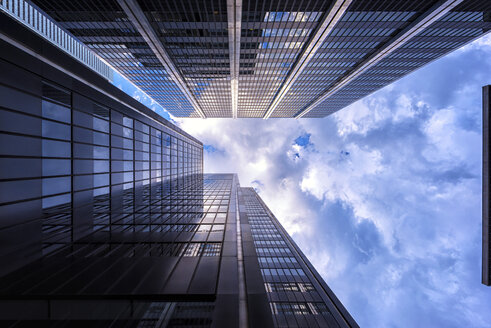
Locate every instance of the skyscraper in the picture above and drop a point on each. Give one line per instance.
(256, 58)
(297, 295)
(106, 218)
(486, 138)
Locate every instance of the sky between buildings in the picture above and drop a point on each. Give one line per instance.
(384, 197)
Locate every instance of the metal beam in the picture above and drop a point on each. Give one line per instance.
(243, 313)
(234, 15)
(141, 23)
(330, 20)
(424, 21)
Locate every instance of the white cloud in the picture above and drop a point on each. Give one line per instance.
(385, 200)
(447, 141)
(479, 44)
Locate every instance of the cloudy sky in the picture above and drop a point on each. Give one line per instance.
(384, 197)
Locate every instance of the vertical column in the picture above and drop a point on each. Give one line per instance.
(166, 165)
(156, 171)
(258, 307)
(101, 168)
(142, 165)
(227, 301)
(90, 163)
(173, 158)
(243, 311)
(121, 165)
(486, 263)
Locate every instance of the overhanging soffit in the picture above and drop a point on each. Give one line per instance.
(141, 23)
(425, 20)
(330, 20)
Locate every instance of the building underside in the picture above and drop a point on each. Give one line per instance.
(262, 59)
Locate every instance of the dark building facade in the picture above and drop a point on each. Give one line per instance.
(297, 295)
(106, 217)
(261, 58)
(486, 138)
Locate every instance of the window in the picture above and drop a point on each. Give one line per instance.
(299, 308)
(281, 287)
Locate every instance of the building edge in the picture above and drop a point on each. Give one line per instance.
(485, 186)
(343, 312)
(17, 35)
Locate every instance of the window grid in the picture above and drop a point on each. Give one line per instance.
(451, 31)
(92, 154)
(284, 277)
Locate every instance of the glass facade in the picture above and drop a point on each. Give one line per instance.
(196, 38)
(106, 217)
(295, 58)
(104, 28)
(462, 24)
(295, 293)
(33, 18)
(358, 30)
(126, 267)
(78, 162)
(274, 34)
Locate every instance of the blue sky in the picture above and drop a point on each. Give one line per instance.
(124, 84)
(384, 197)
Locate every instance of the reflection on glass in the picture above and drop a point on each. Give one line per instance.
(56, 130)
(128, 176)
(56, 166)
(100, 166)
(127, 121)
(100, 124)
(56, 185)
(101, 138)
(56, 112)
(101, 180)
(49, 202)
(101, 191)
(204, 228)
(52, 148)
(100, 152)
(128, 133)
(127, 143)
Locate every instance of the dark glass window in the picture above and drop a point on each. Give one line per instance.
(56, 185)
(56, 130)
(56, 112)
(56, 167)
(52, 148)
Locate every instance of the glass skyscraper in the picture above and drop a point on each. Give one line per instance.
(258, 58)
(297, 295)
(486, 182)
(106, 217)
